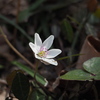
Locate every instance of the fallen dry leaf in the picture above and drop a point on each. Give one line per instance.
(92, 5)
(90, 48)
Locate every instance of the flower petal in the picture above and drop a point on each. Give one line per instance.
(53, 53)
(48, 42)
(33, 47)
(38, 41)
(49, 61)
(36, 56)
(46, 61)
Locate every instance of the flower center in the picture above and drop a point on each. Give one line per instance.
(42, 53)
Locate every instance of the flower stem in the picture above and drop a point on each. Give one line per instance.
(15, 50)
(66, 57)
(36, 69)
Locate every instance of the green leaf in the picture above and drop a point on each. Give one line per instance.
(24, 15)
(44, 25)
(97, 77)
(97, 12)
(91, 71)
(37, 95)
(67, 29)
(78, 74)
(93, 19)
(20, 86)
(10, 77)
(38, 77)
(73, 19)
(16, 26)
(30, 11)
(92, 65)
(1, 66)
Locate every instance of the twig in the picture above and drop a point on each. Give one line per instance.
(17, 13)
(15, 50)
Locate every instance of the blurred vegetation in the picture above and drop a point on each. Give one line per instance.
(70, 21)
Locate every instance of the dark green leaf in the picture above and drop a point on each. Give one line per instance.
(44, 26)
(37, 95)
(20, 86)
(39, 78)
(1, 66)
(10, 77)
(16, 26)
(67, 29)
(30, 11)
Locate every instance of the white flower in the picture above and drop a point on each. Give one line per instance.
(41, 51)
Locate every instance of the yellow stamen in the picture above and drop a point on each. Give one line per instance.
(42, 54)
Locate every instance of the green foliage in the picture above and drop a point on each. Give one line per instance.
(68, 30)
(91, 71)
(35, 8)
(97, 12)
(16, 26)
(37, 95)
(77, 75)
(93, 19)
(11, 77)
(38, 77)
(20, 86)
(39, 17)
(1, 66)
(92, 65)
(28, 12)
